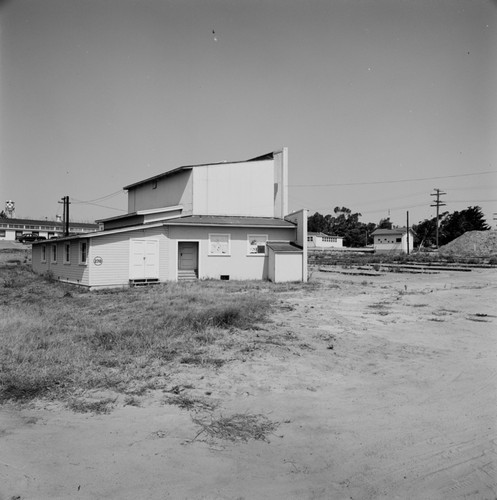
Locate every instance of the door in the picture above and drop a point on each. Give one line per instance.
(187, 256)
(144, 259)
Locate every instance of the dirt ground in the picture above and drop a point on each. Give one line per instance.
(381, 387)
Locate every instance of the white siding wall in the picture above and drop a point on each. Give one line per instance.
(238, 265)
(287, 267)
(234, 189)
(114, 253)
(73, 272)
(170, 191)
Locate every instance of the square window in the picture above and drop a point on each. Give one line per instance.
(219, 244)
(257, 244)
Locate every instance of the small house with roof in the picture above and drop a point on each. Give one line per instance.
(322, 241)
(225, 221)
(393, 240)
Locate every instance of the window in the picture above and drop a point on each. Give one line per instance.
(43, 253)
(83, 252)
(309, 238)
(2, 232)
(219, 244)
(398, 240)
(67, 253)
(257, 244)
(54, 253)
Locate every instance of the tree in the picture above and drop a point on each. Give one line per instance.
(385, 224)
(343, 223)
(451, 226)
(457, 223)
(3, 215)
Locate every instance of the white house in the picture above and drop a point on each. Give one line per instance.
(323, 241)
(393, 240)
(12, 229)
(219, 221)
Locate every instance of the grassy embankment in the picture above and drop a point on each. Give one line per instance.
(57, 340)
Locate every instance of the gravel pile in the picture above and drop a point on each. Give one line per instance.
(472, 243)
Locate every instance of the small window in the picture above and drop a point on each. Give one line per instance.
(67, 253)
(398, 240)
(43, 253)
(309, 238)
(2, 232)
(219, 244)
(83, 252)
(54, 253)
(257, 244)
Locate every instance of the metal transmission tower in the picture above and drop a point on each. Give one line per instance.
(438, 203)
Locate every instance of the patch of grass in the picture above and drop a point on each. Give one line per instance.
(238, 427)
(100, 406)
(55, 338)
(190, 403)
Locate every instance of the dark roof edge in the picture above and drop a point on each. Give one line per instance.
(267, 156)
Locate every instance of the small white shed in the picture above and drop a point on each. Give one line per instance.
(285, 262)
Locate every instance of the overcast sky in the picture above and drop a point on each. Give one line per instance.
(378, 101)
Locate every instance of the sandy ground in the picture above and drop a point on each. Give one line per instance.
(383, 387)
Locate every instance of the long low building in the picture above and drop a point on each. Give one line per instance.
(13, 229)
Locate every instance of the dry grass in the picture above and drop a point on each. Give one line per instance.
(237, 427)
(56, 338)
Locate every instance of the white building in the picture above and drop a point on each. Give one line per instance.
(393, 240)
(219, 221)
(13, 229)
(323, 241)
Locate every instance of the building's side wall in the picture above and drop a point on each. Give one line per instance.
(167, 191)
(281, 183)
(389, 243)
(238, 265)
(234, 189)
(288, 267)
(71, 271)
(112, 253)
(300, 219)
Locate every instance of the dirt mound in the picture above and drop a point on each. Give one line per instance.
(472, 243)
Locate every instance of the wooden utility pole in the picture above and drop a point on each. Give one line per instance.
(408, 232)
(438, 203)
(65, 218)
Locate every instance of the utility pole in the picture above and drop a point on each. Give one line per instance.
(408, 232)
(438, 203)
(65, 218)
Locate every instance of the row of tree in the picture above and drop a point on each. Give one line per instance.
(355, 233)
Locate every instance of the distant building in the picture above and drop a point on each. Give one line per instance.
(13, 229)
(393, 240)
(323, 241)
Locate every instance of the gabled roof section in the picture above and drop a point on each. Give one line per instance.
(227, 220)
(267, 156)
(399, 230)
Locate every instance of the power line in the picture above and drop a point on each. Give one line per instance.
(102, 198)
(392, 182)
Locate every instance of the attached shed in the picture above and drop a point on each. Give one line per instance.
(285, 262)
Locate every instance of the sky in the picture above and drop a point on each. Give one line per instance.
(379, 102)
